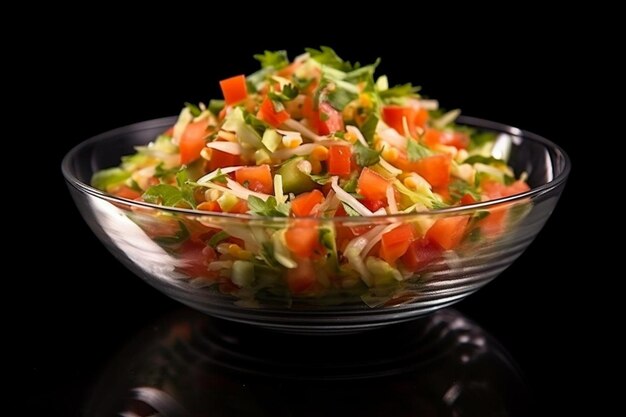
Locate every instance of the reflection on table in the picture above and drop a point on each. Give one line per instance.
(189, 364)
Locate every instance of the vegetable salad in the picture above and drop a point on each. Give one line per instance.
(315, 139)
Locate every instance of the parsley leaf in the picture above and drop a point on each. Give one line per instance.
(403, 90)
(327, 56)
(459, 188)
(179, 237)
(161, 172)
(165, 194)
(365, 156)
(369, 127)
(274, 59)
(487, 160)
(216, 106)
(321, 179)
(219, 176)
(170, 195)
(416, 151)
(195, 110)
(270, 208)
(217, 238)
(288, 93)
(350, 185)
(349, 210)
(478, 140)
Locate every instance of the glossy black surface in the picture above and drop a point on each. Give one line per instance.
(87, 307)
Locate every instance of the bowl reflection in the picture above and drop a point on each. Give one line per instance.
(193, 365)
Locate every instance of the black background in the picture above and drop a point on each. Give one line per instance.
(87, 305)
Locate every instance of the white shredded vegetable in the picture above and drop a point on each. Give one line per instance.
(393, 138)
(356, 132)
(209, 177)
(232, 148)
(305, 131)
(242, 192)
(349, 200)
(389, 168)
(278, 189)
(391, 200)
(305, 149)
(377, 238)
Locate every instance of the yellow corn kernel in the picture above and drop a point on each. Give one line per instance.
(229, 136)
(211, 195)
(292, 141)
(348, 112)
(205, 153)
(316, 166)
(320, 153)
(390, 154)
(366, 100)
(233, 250)
(350, 137)
(410, 182)
(223, 248)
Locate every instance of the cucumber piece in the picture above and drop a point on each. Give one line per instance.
(294, 180)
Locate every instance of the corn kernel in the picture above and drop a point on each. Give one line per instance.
(305, 166)
(211, 195)
(233, 250)
(365, 100)
(229, 136)
(205, 153)
(349, 112)
(350, 137)
(320, 153)
(390, 154)
(316, 166)
(223, 248)
(409, 182)
(292, 141)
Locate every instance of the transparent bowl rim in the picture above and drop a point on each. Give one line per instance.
(556, 181)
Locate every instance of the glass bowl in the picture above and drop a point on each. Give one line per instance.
(174, 249)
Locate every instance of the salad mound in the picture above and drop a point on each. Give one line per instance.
(315, 139)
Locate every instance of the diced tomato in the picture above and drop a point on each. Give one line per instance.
(126, 192)
(395, 242)
(303, 204)
(467, 199)
(234, 89)
(372, 186)
(302, 278)
(209, 206)
(221, 159)
(435, 169)
(257, 178)
(433, 137)
(303, 238)
(447, 232)
(241, 207)
(194, 259)
(494, 224)
(494, 189)
(330, 119)
(193, 141)
(421, 117)
(268, 113)
(394, 115)
(374, 205)
(339, 160)
(420, 253)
